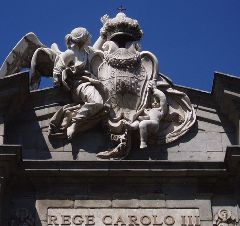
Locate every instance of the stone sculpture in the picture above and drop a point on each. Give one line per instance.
(113, 82)
(224, 217)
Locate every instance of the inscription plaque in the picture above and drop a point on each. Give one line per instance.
(123, 217)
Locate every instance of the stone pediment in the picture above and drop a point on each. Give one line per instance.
(114, 142)
(28, 126)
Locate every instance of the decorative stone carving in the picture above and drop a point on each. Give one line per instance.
(224, 217)
(22, 218)
(113, 82)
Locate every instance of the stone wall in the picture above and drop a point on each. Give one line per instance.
(127, 193)
(206, 141)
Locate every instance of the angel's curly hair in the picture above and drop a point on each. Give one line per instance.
(79, 35)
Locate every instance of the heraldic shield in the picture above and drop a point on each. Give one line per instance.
(126, 76)
(126, 88)
(112, 82)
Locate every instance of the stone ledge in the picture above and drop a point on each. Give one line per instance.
(43, 205)
(93, 203)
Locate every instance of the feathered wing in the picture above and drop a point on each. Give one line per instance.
(21, 55)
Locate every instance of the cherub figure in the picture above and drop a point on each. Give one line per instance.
(148, 121)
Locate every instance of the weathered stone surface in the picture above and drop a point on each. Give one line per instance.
(214, 141)
(210, 126)
(208, 113)
(128, 203)
(192, 173)
(1, 139)
(43, 205)
(1, 126)
(197, 144)
(152, 201)
(92, 203)
(206, 223)
(121, 216)
(227, 140)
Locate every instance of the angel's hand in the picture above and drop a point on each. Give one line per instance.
(94, 81)
(152, 85)
(145, 117)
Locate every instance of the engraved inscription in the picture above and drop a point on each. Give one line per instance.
(123, 217)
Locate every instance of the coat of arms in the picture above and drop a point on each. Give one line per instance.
(112, 82)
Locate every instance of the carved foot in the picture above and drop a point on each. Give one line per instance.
(70, 131)
(120, 152)
(143, 145)
(122, 149)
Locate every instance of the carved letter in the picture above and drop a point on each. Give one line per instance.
(90, 220)
(66, 219)
(52, 220)
(145, 220)
(155, 221)
(169, 220)
(190, 221)
(197, 221)
(119, 220)
(77, 220)
(183, 221)
(104, 220)
(132, 220)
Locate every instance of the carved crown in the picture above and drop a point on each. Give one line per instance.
(121, 24)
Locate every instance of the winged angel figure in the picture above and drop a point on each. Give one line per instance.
(113, 81)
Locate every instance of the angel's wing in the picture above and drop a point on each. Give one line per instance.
(21, 55)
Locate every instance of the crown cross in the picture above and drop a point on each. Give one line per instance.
(121, 9)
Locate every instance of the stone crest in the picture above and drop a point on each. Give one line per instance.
(112, 82)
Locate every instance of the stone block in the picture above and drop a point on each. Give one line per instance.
(61, 156)
(213, 141)
(1, 127)
(152, 201)
(184, 203)
(209, 126)
(208, 113)
(92, 203)
(1, 139)
(227, 139)
(206, 223)
(43, 205)
(203, 205)
(205, 208)
(215, 156)
(127, 203)
(197, 143)
(186, 156)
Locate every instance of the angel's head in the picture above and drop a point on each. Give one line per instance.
(79, 37)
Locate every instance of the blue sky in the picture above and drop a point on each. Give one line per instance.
(191, 38)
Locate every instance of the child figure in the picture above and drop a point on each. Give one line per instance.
(148, 123)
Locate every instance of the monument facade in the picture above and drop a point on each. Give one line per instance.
(114, 142)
